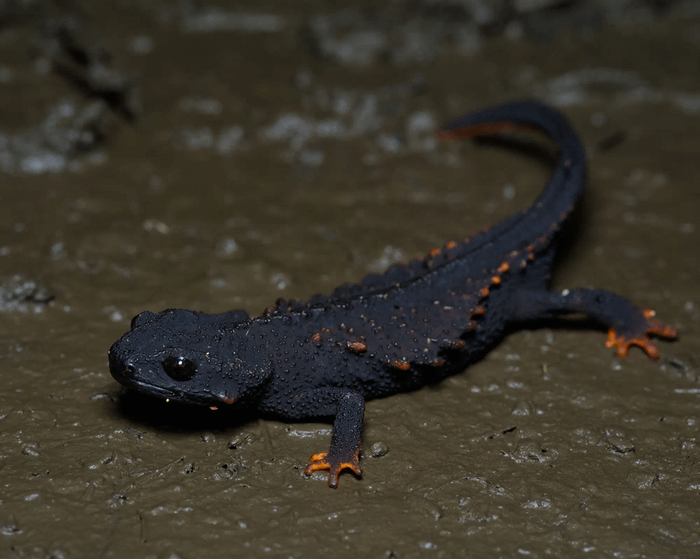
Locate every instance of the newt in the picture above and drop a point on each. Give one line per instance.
(413, 325)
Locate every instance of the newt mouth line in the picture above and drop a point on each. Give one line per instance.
(173, 395)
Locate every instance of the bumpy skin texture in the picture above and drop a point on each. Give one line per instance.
(413, 325)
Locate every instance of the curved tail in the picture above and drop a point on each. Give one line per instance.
(568, 179)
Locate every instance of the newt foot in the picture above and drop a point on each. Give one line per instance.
(631, 337)
(321, 461)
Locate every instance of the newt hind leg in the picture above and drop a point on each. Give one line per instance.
(628, 324)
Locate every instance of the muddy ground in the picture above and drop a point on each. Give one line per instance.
(181, 154)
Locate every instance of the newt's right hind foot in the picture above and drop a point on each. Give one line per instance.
(637, 334)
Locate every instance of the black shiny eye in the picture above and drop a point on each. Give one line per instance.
(179, 368)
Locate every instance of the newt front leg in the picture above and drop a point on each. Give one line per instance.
(348, 407)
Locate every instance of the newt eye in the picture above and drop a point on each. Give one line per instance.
(179, 368)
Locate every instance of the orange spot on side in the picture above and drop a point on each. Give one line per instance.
(437, 362)
(401, 365)
(478, 311)
(451, 244)
(316, 337)
(357, 346)
(484, 292)
(228, 400)
(495, 280)
(530, 257)
(503, 268)
(530, 247)
(213, 408)
(433, 253)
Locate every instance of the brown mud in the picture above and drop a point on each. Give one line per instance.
(161, 155)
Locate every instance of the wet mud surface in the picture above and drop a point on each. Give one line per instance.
(160, 155)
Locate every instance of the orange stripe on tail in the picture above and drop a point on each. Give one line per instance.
(480, 130)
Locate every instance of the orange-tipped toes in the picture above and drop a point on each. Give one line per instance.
(319, 461)
(653, 326)
(658, 328)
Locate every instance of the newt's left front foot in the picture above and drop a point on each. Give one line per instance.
(323, 461)
(637, 334)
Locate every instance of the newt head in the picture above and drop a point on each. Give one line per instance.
(188, 357)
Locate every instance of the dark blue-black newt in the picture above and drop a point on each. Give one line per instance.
(413, 325)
